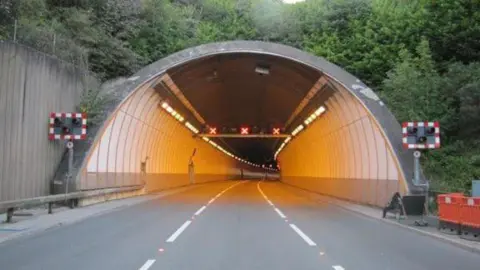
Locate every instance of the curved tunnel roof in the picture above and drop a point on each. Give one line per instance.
(212, 77)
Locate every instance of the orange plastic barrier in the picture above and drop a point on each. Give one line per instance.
(470, 212)
(449, 207)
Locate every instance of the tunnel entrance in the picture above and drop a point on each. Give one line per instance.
(249, 107)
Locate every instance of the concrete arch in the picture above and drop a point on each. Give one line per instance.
(353, 151)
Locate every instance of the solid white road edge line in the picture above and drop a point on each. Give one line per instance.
(303, 235)
(179, 231)
(280, 213)
(338, 267)
(200, 210)
(147, 265)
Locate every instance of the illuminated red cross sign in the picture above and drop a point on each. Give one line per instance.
(276, 131)
(244, 130)
(212, 130)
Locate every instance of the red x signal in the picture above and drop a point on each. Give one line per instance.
(276, 131)
(212, 130)
(244, 131)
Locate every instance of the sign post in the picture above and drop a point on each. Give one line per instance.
(69, 127)
(421, 136)
(70, 166)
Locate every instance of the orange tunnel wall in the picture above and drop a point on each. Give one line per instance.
(343, 154)
(140, 128)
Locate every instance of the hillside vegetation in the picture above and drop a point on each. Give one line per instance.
(421, 56)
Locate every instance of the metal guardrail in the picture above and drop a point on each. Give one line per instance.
(23, 203)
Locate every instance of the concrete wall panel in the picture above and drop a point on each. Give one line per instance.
(32, 85)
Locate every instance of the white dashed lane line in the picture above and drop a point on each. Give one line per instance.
(179, 231)
(280, 213)
(147, 265)
(200, 210)
(303, 235)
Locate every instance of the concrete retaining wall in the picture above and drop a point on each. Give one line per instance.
(32, 85)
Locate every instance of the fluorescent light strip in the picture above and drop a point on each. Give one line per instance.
(297, 130)
(191, 127)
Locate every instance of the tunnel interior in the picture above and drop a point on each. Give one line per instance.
(160, 134)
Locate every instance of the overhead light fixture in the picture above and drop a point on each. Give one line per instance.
(297, 130)
(262, 70)
(314, 115)
(191, 127)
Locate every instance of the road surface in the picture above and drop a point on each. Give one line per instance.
(233, 225)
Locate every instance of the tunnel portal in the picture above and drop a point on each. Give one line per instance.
(338, 137)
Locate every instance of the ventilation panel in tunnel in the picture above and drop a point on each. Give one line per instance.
(352, 150)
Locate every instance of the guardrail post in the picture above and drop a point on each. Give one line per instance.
(9, 215)
(50, 207)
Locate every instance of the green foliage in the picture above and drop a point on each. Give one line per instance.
(421, 56)
(93, 103)
(416, 91)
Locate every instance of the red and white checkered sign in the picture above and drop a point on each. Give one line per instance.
(53, 136)
(427, 145)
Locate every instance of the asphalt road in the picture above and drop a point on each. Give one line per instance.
(233, 225)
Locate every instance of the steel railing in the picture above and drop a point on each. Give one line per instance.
(10, 206)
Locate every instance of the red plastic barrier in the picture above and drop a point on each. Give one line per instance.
(449, 207)
(470, 212)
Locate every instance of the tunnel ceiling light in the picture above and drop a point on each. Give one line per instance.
(281, 147)
(262, 70)
(297, 130)
(191, 127)
(174, 113)
(319, 111)
(314, 115)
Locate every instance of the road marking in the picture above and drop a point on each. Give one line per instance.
(338, 267)
(200, 210)
(188, 222)
(147, 265)
(179, 231)
(269, 202)
(303, 235)
(280, 213)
